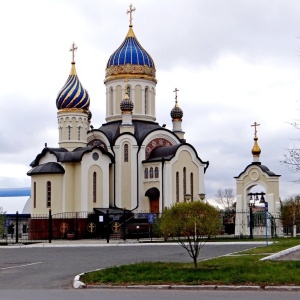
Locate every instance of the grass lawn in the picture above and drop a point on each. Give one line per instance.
(246, 269)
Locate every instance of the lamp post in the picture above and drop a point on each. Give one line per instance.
(201, 196)
(187, 197)
(251, 206)
(262, 200)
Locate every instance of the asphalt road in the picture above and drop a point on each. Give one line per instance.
(54, 268)
(121, 294)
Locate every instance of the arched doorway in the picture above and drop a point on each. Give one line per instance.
(153, 195)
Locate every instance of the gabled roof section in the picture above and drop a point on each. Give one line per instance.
(264, 168)
(168, 152)
(47, 168)
(63, 155)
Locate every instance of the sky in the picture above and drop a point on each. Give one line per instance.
(235, 62)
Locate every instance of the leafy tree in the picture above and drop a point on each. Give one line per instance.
(190, 224)
(290, 212)
(2, 221)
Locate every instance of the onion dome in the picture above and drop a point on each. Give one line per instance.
(73, 95)
(256, 150)
(176, 112)
(126, 104)
(130, 59)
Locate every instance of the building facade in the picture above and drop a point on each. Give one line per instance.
(129, 162)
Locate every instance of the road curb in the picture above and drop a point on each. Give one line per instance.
(198, 287)
(281, 253)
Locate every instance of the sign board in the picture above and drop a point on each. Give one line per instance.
(151, 218)
(101, 219)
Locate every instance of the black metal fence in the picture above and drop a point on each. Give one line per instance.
(117, 224)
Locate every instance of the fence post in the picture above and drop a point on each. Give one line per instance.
(17, 227)
(107, 227)
(50, 226)
(124, 225)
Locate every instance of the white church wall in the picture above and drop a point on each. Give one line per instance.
(125, 172)
(48, 157)
(88, 163)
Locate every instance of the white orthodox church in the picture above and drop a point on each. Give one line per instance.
(128, 162)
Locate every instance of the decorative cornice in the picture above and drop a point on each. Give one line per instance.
(127, 70)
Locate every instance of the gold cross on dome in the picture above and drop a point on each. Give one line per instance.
(73, 49)
(255, 125)
(175, 91)
(130, 11)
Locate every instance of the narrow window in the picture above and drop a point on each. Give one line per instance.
(79, 132)
(146, 173)
(126, 153)
(192, 185)
(146, 99)
(111, 99)
(184, 182)
(94, 187)
(34, 195)
(151, 172)
(48, 194)
(177, 186)
(156, 172)
(69, 132)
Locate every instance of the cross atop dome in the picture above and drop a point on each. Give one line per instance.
(175, 91)
(130, 11)
(73, 49)
(255, 130)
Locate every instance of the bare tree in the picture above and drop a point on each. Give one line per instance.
(226, 198)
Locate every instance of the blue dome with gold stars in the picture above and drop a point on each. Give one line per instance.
(130, 52)
(73, 95)
(130, 60)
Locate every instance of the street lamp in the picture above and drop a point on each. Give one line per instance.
(201, 196)
(187, 197)
(251, 206)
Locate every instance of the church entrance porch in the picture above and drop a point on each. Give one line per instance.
(153, 194)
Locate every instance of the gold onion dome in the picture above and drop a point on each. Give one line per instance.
(130, 59)
(176, 112)
(126, 104)
(256, 150)
(73, 95)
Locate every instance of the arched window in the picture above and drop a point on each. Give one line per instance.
(79, 133)
(192, 185)
(146, 173)
(94, 187)
(151, 172)
(34, 195)
(184, 182)
(146, 99)
(177, 186)
(126, 153)
(156, 172)
(48, 194)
